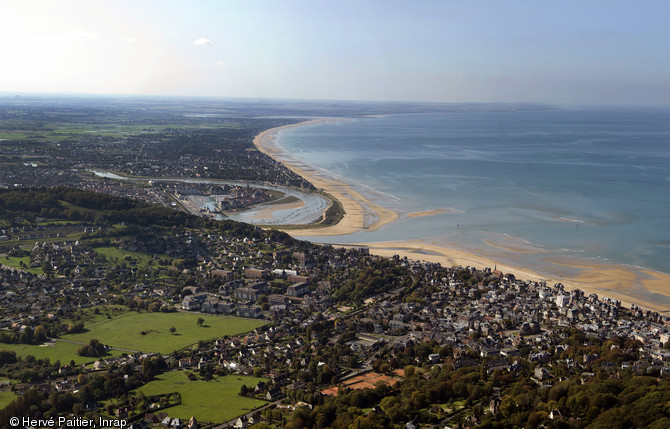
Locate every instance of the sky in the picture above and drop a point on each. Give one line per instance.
(604, 52)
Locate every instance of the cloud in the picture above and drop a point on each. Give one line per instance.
(130, 40)
(202, 42)
(221, 64)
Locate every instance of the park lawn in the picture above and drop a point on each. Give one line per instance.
(59, 350)
(14, 262)
(115, 254)
(99, 313)
(216, 401)
(125, 331)
(13, 136)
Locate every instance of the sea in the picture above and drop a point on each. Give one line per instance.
(534, 188)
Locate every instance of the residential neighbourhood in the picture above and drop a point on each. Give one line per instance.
(327, 332)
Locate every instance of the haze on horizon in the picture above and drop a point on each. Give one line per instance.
(569, 52)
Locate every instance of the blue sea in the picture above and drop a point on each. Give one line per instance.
(542, 186)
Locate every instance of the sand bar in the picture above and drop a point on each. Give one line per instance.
(268, 212)
(431, 212)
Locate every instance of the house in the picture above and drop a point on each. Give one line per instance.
(297, 279)
(542, 374)
(241, 422)
(254, 273)
(464, 363)
(193, 302)
(251, 311)
(275, 299)
(223, 274)
(246, 294)
(274, 394)
(297, 290)
(496, 364)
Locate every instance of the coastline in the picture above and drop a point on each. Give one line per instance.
(625, 283)
(630, 285)
(360, 212)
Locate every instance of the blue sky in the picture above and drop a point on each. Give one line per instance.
(567, 52)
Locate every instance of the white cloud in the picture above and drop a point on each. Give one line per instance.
(221, 64)
(130, 40)
(202, 42)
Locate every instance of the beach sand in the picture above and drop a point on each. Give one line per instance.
(431, 212)
(627, 284)
(268, 212)
(630, 285)
(360, 213)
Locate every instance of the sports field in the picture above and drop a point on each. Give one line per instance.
(215, 401)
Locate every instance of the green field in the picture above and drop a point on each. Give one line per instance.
(216, 400)
(128, 257)
(124, 331)
(6, 398)
(14, 262)
(64, 352)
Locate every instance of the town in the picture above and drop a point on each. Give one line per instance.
(339, 329)
(125, 301)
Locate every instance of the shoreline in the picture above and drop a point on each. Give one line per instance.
(360, 212)
(630, 285)
(613, 281)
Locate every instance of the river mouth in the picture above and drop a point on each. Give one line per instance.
(291, 206)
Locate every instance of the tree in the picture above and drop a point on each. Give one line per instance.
(94, 348)
(40, 334)
(200, 321)
(173, 330)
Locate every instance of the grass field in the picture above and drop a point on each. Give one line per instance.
(124, 256)
(124, 331)
(216, 400)
(118, 327)
(5, 398)
(64, 352)
(13, 262)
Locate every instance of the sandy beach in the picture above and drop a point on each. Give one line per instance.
(627, 284)
(631, 285)
(269, 211)
(360, 213)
